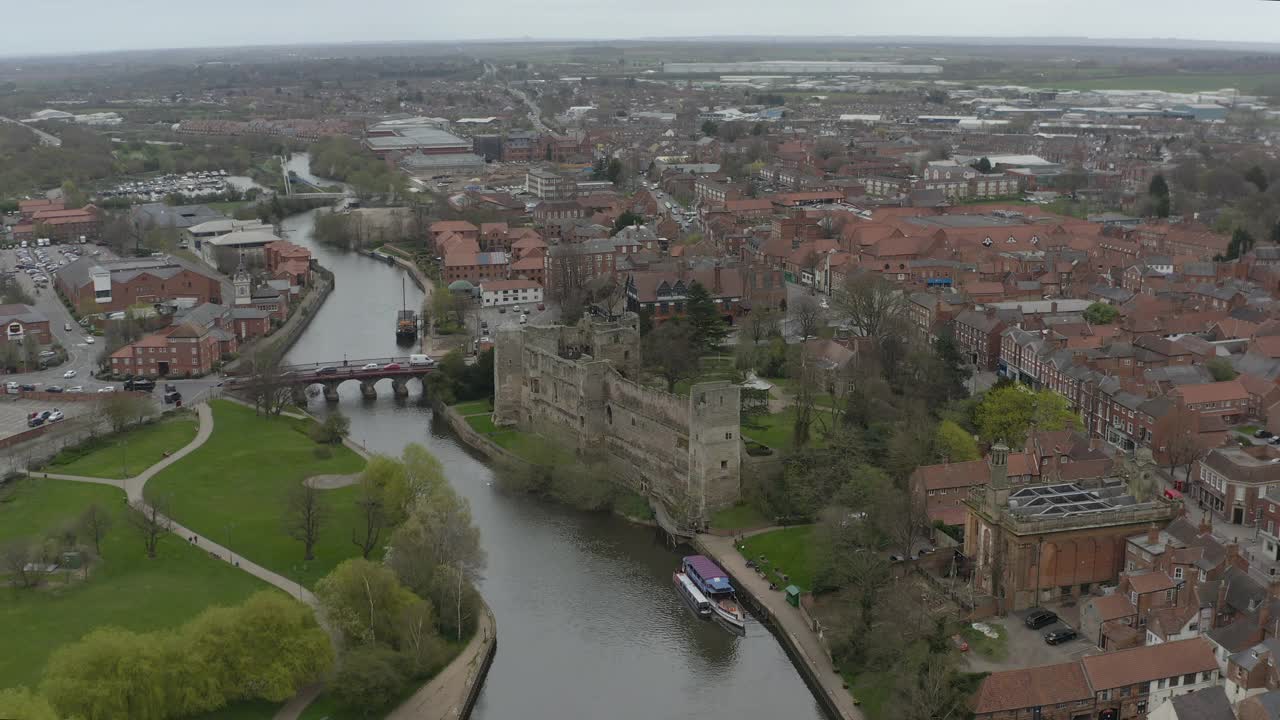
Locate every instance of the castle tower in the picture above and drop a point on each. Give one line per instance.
(243, 283)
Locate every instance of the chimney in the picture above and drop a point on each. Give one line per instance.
(1153, 534)
(717, 288)
(1221, 605)
(1264, 616)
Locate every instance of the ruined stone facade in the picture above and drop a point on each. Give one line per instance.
(577, 385)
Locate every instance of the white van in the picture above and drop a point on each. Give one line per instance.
(421, 361)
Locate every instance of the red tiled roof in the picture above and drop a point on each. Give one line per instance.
(498, 285)
(1032, 687)
(1147, 663)
(1113, 607)
(951, 475)
(1212, 392)
(1150, 582)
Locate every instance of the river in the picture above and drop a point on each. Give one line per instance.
(589, 625)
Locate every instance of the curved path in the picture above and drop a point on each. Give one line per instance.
(133, 489)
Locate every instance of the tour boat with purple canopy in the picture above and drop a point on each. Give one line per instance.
(714, 583)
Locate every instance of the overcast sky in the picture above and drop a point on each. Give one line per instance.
(61, 26)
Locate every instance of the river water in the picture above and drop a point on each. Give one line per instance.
(589, 625)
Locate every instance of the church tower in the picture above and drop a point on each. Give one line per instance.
(999, 462)
(243, 283)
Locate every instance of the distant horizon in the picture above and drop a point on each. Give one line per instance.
(88, 28)
(1117, 42)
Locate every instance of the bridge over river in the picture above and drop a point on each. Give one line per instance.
(330, 375)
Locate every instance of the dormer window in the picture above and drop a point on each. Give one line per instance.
(1011, 240)
(986, 242)
(1035, 239)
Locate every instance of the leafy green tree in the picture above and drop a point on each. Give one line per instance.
(709, 128)
(1100, 313)
(369, 678)
(1221, 369)
(364, 601)
(21, 704)
(983, 166)
(704, 318)
(332, 429)
(626, 220)
(1159, 193)
(110, 673)
(1008, 413)
(1241, 242)
(954, 444)
(1258, 177)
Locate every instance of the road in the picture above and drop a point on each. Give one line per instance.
(535, 114)
(45, 138)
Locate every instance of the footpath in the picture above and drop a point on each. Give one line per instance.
(450, 694)
(790, 624)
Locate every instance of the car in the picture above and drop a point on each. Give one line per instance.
(56, 415)
(517, 309)
(11, 387)
(69, 374)
(1059, 636)
(89, 339)
(329, 370)
(391, 366)
(35, 421)
(76, 388)
(27, 387)
(541, 307)
(524, 319)
(1263, 434)
(371, 366)
(1040, 618)
(66, 327)
(172, 397)
(144, 384)
(484, 324)
(107, 388)
(502, 310)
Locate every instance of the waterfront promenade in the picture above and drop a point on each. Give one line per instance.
(795, 631)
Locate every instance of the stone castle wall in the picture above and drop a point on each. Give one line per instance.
(574, 384)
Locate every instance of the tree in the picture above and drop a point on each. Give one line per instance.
(267, 386)
(150, 522)
(123, 408)
(870, 303)
(373, 518)
(625, 220)
(1100, 313)
(22, 704)
(1159, 193)
(709, 128)
(1180, 432)
(807, 316)
(305, 514)
(332, 429)
(95, 522)
(761, 322)
(1008, 413)
(369, 678)
(983, 166)
(1221, 369)
(1241, 242)
(363, 601)
(954, 444)
(109, 673)
(21, 559)
(1258, 177)
(706, 324)
(669, 351)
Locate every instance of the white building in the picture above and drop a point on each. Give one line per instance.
(509, 292)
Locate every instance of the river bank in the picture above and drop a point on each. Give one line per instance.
(591, 624)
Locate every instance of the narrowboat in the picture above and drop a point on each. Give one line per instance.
(693, 597)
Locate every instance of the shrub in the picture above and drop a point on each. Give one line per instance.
(322, 452)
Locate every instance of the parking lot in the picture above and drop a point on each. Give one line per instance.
(14, 412)
(484, 322)
(1027, 648)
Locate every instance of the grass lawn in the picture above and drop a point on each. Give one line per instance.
(532, 447)
(872, 691)
(129, 453)
(775, 429)
(124, 589)
(786, 551)
(482, 424)
(993, 648)
(475, 407)
(632, 506)
(229, 208)
(235, 488)
(739, 516)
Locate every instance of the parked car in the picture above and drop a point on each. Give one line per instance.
(1040, 618)
(76, 388)
(1057, 637)
(541, 307)
(143, 384)
(27, 387)
(1263, 434)
(35, 420)
(11, 387)
(107, 388)
(56, 415)
(69, 374)
(66, 327)
(89, 339)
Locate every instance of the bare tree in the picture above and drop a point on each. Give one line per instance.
(95, 522)
(806, 312)
(305, 515)
(151, 523)
(123, 409)
(761, 323)
(373, 517)
(607, 294)
(20, 559)
(871, 303)
(1182, 445)
(267, 386)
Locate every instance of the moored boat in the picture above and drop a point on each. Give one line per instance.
(714, 583)
(693, 597)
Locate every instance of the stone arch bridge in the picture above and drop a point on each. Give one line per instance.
(368, 372)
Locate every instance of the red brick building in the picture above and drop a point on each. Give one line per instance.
(95, 287)
(23, 324)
